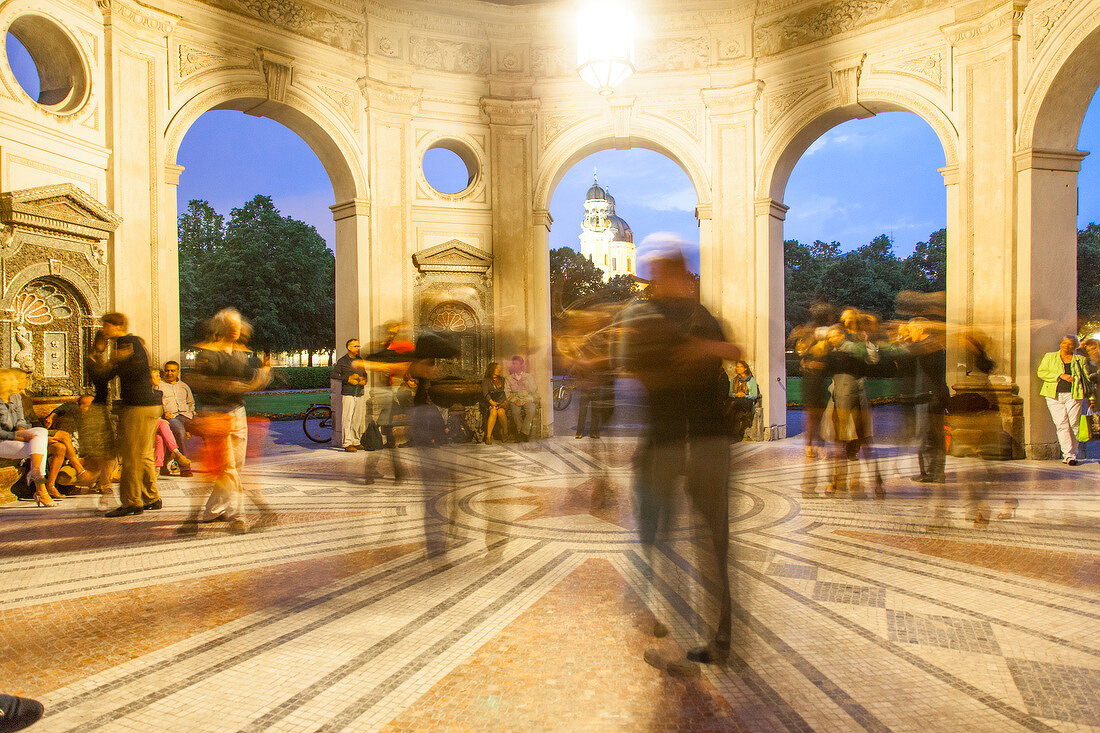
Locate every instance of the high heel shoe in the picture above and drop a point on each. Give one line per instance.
(1009, 510)
(54, 493)
(42, 498)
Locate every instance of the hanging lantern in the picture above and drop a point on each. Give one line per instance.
(605, 43)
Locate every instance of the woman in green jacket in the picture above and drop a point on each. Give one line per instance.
(1064, 385)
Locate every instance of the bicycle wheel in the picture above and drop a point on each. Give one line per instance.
(317, 423)
(563, 395)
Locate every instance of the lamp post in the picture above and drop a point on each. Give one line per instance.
(605, 43)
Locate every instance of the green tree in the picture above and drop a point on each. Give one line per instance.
(201, 232)
(1088, 277)
(926, 269)
(572, 277)
(276, 270)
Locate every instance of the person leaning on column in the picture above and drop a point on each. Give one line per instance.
(1064, 385)
(141, 408)
(352, 402)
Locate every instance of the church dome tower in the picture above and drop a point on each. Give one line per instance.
(605, 237)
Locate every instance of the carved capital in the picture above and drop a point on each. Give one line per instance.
(844, 77)
(510, 112)
(390, 97)
(172, 173)
(138, 16)
(771, 207)
(277, 69)
(733, 100)
(348, 209)
(1068, 161)
(542, 218)
(999, 24)
(950, 175)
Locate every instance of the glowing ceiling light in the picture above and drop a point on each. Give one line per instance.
(605, 43)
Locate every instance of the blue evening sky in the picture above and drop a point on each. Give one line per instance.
(859, 180)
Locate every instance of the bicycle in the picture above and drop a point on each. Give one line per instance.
(563, 393)
(317, 423)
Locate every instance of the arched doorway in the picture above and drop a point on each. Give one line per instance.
(865, 227)
(688, 192)
(333, 147)
(1047, 163)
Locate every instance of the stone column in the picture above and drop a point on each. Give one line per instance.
(169, 305)
(1046, 276)
(145, 271)
(390, 173)
(770, 367)
(539, 308)
(983, 262)
(742, 273)
(353, 289)
(520, 273)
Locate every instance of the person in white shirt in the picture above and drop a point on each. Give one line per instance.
(519, 385)
(179, 403)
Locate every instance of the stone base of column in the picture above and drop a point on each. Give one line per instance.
(1008, 444)
(1043, 451)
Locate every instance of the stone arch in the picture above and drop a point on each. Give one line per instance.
(332, 146)
(593, 136)
(1067, 75)
(819, 113)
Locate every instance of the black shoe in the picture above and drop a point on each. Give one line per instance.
(709, 654)
(922, 479)
(124, 511)
(17, 713)
(1071, 462)
(153, 505)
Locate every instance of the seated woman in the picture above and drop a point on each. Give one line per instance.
(494, 403)
(19, 440)
(165, 447)
(743, 396)
(60, 442)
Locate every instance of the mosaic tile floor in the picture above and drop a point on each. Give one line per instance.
(535, 612)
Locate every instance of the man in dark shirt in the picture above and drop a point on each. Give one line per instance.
(931, 359)
(352, 402)
(675, 347)
(141, 408)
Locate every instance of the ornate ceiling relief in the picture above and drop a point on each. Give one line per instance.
(1043, 22)
(673, 54)
(686, 118)
(345, 32)
(550, 62)
(446, 55)
(828, 19)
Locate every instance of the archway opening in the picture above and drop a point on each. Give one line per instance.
(256, 233)
(611, 208)
(866, 228)
(1088, 225)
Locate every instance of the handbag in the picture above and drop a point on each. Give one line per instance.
(372, 437)
(1088, 427)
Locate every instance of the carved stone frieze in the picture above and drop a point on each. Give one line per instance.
(342, 100)
(62, 210)
(548, 62)
(673, 54)
(927, 66)
(440, 54)
(778, 104)
(1002, 20)
(138, 15)
(1043, 21)
(684, 117)
(826, 19)
(343, 31)
(731, 48)
(510, 59)
(387, 45)
(555, 123)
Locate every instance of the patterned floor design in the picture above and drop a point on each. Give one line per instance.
(535, 612)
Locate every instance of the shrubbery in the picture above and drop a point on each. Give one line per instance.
(301, 378)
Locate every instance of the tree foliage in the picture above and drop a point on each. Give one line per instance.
(275, 269)
(868, 278)
(575, 278)
(1088, 278)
